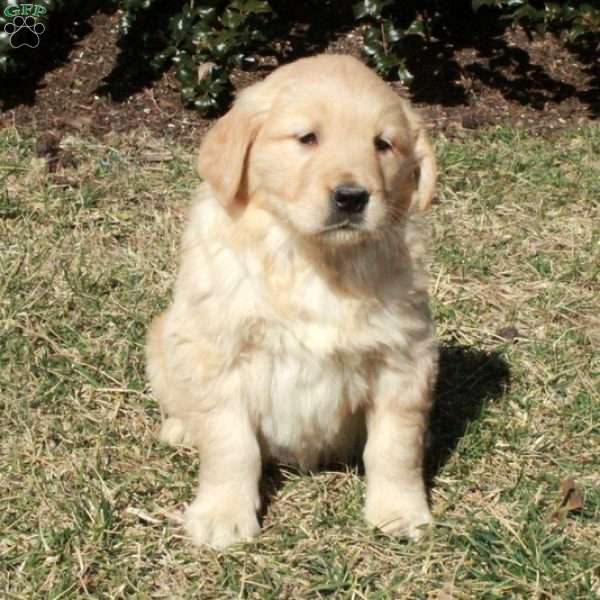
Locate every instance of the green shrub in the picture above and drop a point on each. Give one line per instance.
(577, 18)
(206, 40)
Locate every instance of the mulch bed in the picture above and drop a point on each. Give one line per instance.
(538, 84)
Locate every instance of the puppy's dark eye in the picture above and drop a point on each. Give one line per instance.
(381, 145)
(308, 139)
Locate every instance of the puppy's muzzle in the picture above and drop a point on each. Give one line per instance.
(348, 203)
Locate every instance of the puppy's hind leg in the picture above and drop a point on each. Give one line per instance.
(156, 368)
(173, 430)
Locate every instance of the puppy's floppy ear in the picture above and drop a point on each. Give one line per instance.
(426, 165)
(427, 176)
(224, 150)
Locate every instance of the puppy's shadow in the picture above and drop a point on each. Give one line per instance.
(468, 380)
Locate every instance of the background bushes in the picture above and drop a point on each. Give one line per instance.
(205, 41)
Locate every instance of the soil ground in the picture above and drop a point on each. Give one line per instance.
(505, 78)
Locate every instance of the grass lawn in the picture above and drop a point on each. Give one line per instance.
(90, 501)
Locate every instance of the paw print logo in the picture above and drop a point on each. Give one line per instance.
(24, 32)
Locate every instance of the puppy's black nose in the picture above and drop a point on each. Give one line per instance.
(350, 199)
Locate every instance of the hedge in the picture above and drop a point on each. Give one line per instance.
(205, 41)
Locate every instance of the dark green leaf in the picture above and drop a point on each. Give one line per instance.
(477, 4)
(391, 33)
(416, 27)
(257, 6)
(404, 75)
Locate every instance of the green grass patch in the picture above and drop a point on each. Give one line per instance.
(91, 501)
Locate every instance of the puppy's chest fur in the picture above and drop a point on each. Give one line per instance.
(307, 353)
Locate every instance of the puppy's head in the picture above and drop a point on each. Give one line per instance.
(327, 147)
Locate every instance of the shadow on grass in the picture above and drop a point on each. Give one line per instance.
(468, 380)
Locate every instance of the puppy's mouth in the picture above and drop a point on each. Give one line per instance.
(343, 232)
(343, 221)
(345, 225)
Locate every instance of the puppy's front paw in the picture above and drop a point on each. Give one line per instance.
(219, 522)
(401, 513)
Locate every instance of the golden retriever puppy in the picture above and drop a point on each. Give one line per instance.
(300, 323)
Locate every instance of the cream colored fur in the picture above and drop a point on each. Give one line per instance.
(290, 341)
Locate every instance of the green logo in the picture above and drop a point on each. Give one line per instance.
(24, 10)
